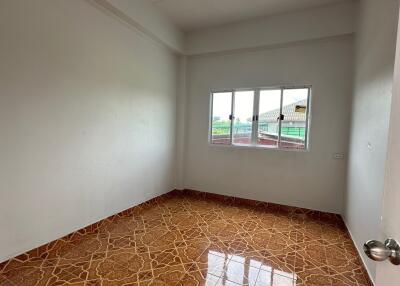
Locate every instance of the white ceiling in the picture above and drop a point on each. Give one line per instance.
(196, 14)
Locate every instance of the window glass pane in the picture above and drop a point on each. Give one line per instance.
(243, 123)
(294, 123)
(221, 124)
(268, 124)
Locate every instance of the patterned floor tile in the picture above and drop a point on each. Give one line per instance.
(197, 240)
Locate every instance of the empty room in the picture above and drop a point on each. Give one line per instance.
(199, 142)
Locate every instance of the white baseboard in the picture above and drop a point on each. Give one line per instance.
(359, 252)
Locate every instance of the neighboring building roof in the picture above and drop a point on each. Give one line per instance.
(288, 111)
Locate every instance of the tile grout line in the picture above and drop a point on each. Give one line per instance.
(231, 224)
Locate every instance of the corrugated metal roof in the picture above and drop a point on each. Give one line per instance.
(289, 111)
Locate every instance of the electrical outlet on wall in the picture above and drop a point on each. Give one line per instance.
(338, 156)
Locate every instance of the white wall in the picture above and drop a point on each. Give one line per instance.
(375, 52)
(306, 179)
(87, 119)
(151, 20)
(325, 21)
(181, 114)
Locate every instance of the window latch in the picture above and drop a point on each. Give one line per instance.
(231, 117)
(281, 117)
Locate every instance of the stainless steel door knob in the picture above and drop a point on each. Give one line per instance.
(379, 251)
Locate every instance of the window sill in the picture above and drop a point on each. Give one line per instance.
(260, 147)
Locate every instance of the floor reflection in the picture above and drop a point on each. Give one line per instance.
(234, 270)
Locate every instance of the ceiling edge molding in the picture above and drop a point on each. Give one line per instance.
(125, 19)
(349, 35)
(109, 9)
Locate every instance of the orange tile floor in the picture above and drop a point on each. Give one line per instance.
(192, 241)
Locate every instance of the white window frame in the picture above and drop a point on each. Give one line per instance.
(255, 123)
